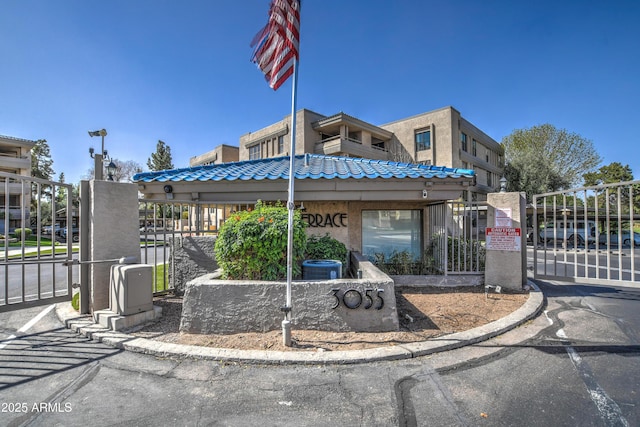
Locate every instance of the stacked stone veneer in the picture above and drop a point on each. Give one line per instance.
(213, 306)
(191, 257)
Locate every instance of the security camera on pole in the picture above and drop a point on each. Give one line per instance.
(99, 173)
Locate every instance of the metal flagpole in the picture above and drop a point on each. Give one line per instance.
(286, 323)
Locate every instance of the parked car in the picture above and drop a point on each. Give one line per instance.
(574, 231)
(47, 229)
(625, 237)
(75, 234)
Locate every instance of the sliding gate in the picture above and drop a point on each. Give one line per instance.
(588, 235)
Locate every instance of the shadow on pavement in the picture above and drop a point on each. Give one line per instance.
(31, 357)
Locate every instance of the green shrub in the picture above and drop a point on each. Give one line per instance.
(253, 244)
(18, 233)
(404, 263)
(326, 247)
(463, 254)
(75, 301)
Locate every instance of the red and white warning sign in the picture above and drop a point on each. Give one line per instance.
(503, 239)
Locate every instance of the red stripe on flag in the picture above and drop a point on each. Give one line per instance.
(276, 45)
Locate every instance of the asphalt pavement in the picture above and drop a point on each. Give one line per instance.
(52, 375)
(574, 364)
(86, 326)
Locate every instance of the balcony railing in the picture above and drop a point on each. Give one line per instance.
(337, 144)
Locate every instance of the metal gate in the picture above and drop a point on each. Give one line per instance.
(39, 231)
(456, 234)
(164, 226)
(588, 235)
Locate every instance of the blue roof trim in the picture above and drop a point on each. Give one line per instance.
(307, 166)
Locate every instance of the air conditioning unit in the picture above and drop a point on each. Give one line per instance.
(131, 289)
(321, 269)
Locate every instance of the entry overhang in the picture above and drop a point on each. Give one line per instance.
(317, 178)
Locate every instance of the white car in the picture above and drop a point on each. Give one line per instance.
(568, 229)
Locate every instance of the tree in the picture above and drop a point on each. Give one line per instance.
(61, 197)
(161, 159)
(41, 167)
(609, 174)
(543, 159)
(125, 169)
(41, 162)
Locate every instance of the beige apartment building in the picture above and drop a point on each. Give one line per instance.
(441, 138)
(15, 158)
(221, 154)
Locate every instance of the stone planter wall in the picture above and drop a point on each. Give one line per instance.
(218, 306)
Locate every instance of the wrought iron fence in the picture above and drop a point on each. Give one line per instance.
(456, 236)
(165, 225)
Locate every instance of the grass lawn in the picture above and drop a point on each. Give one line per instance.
(160, 278)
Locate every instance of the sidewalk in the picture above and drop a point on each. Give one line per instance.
(84, 325)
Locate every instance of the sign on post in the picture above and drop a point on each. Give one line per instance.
(503, 239)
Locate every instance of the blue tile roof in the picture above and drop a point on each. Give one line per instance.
(307, 166)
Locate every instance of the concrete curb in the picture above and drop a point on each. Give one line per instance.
(85, 326)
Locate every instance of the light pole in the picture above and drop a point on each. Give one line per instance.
(99, 158)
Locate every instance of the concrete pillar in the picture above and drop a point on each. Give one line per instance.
(114, 232)
(506, 264)
(344, 131)
(366, 139)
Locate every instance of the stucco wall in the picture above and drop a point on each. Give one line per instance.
(443, 124)
(227, 307)
(306, 137)
(190, 257)
(328, 218)
(113, 232)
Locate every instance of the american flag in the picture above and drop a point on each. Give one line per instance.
(276, 45)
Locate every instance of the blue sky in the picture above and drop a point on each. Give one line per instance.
(180, 71)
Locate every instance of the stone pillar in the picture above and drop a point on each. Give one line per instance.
(114, 232)
(506, 264)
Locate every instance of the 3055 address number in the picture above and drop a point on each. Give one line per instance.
(353, 298)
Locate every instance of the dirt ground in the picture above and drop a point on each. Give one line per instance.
(423, 313)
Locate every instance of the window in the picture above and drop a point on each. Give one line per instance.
(489, 180)
(14, 201)
(281, 144)
(254, 152)
(463, 141)
(474, 147)
(388, 231)
(423, 140)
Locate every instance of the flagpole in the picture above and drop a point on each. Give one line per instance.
(286, 323)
